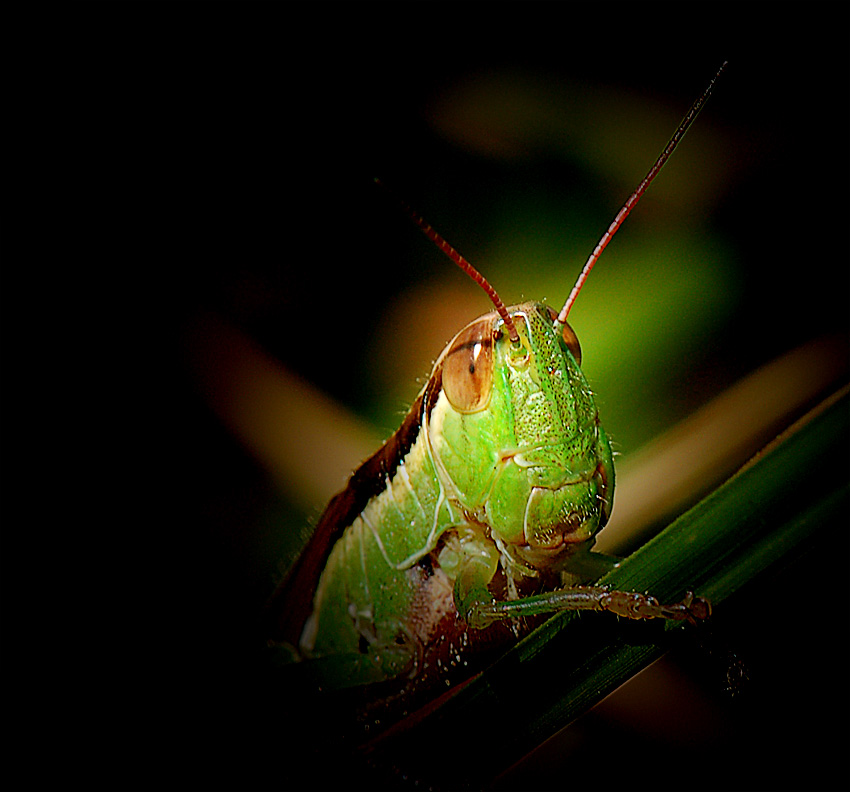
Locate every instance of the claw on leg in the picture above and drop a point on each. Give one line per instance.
(643, 606)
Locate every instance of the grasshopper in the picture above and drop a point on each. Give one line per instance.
(481, 510)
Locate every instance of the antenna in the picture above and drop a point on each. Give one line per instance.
(635, 196)
(461, 262)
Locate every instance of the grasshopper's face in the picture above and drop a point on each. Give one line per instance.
(516, 434)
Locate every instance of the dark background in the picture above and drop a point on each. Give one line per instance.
(177, 157)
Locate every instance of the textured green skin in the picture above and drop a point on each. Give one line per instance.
(539, 429)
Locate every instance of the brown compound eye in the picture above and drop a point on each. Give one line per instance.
(569, 336)
(468, 368)
(571, 340)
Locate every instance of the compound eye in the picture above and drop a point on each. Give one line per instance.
(468, 368)
(569, 336)
(571, 340)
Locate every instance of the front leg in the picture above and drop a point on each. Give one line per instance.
(479, 608)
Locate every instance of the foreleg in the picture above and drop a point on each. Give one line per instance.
(480, 609)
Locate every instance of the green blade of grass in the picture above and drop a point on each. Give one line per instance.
(793, 492)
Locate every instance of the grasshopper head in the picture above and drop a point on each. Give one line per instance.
(517, 432)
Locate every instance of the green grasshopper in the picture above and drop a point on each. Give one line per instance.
(479, 511)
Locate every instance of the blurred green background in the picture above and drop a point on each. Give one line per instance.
(227, 154)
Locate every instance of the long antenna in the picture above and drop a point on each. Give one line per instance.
(635, 196)
(461, 262)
